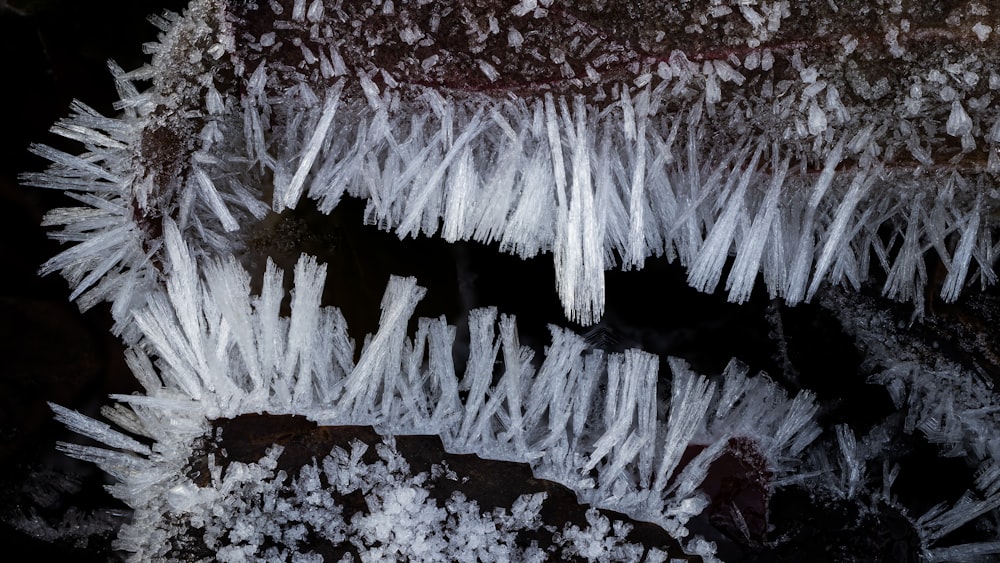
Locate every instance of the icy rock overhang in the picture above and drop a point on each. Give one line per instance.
(805, 142)
(751, 131)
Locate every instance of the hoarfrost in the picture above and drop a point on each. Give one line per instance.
(571, 187)
(227, 350)
(591, 153)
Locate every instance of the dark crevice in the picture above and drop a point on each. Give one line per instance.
(653, 309)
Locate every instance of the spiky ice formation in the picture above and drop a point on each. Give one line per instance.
(212, 351)
(813, 141)
(950, 403)
(592, 422)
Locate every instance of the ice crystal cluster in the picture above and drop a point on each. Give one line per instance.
(584, 419)
(763, 130)
(808, 144)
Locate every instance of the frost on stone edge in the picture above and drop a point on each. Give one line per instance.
(950, 405)
(599, 187)
(275, 516)
(583, 418)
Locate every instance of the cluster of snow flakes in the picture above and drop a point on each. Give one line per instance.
(601, 541)
(762, 16)
(253, 511)
(250, 511)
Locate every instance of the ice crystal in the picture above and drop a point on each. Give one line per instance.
(789, 154)
(221, 351)
(743, 140)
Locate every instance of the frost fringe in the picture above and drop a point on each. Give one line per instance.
(582, 418)
(802, 192)
(952, 406)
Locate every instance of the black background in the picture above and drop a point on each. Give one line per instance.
(52, 51)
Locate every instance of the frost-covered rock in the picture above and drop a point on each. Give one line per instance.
(210, 349)
(807, 142)
(813, 141)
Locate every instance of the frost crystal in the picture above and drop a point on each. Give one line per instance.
(746, 139)
(221, 352)
(599, 153)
